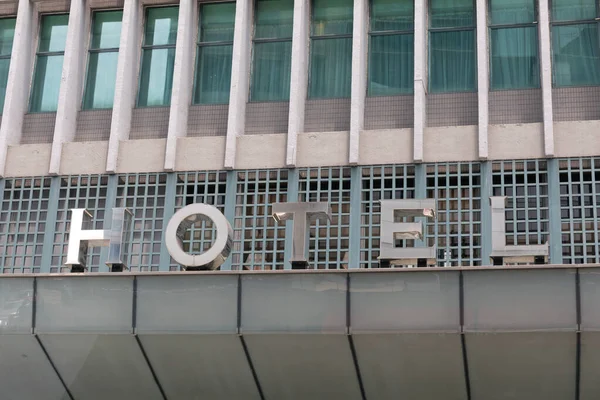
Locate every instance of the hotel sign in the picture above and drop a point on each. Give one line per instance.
(301, 215)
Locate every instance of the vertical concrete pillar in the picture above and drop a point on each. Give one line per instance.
(546, 76)
(240, 78)
(420, 76)
(360, 44)
(19, 77)
(482, 77)
(69, 95)
(183, 70)
(299, 78)
(126, 81)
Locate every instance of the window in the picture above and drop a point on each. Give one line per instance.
(331, 49)
(514, 62)
(391, 49)
(158, 56)
(49, 63)
(272, 59)
(102, 61)
(7, 34)
(575, 45)
(215, 47)
(452, 61)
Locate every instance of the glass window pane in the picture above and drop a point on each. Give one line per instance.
(451, 13)
(161, 26)
(4, 64)
(331, 17)
(512, 11)
(330, 68)
(156, 80)
(53, 33)
(576, 55)
(213, 75)
(391, 65)
(392, 15)
(514, 59)
(106, 31)
(272, 69)
(571, 10)
(46, 83)
(452, 66)
(7, 34)
(216, 22)
(274, 19)
(101, 77)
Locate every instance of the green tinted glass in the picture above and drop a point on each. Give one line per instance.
(106, 29)
(576, 55)
(332, 17)
(451, 13)
(7, 34)
(391, 68)
(100, 83)
(392, 15)
(572, 10)
(53, 33)
(46, 83)
(156, 78)
(274, 19)
(4, 65)
(161, 26)
(330, 68)
(271, 71)
(217, 22)
(512, 11)
(452, 66)
(213, 75)
(514, 62)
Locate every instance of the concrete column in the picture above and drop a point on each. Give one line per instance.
(126, 81)
(183, 70)
(360, 45)
(19, 77)
(546, 76)
(240, 78)
(482, 77)
(299, 78)
(420, 76)
(69, 96)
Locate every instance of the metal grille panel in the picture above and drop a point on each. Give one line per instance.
(381, 183)
(150, 123)
(580, 209)
(327, 115)
(457, 234)
(144, 195)
(22, 224)
(389, 112)
(93, 125)
(269, 117)
(576, 104)
(452, 109)
(328, 244)
(259, 241)
(516, 106)
(85, 191)
(525, 183)
(38, 128)
(208, 120)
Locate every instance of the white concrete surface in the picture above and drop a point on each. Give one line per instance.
(360, 44)
(483, 78)
(261, 151)
(546, 76)
(420, 76)
(317, 149)
(577, 138)
(19, 160)
(386, 146)
(200, 153)
(240, 78)
(514, 141)
(83, 158)
(146, 155)
(453, 143)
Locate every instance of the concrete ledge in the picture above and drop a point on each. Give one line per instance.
(577, 138)
(28, 160)
(317, 149)
(261, 151)
(451, 143)
(144, 155)
(83, 158)
(515, 141)
(200, 153)
(386, 146)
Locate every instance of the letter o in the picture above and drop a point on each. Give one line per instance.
(182, 220)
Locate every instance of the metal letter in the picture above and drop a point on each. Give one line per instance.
(301, 214)
(183, 220)
(392, 230)
(117, 238)
(502, 253)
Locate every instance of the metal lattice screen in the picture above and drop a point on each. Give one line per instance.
(144, 195)
(381, 183)
(23, 223)
(259, 241)
(579, 210)
(525, 183)
(457, 233)
(206, 187)
(329, 243)
(85, 191)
